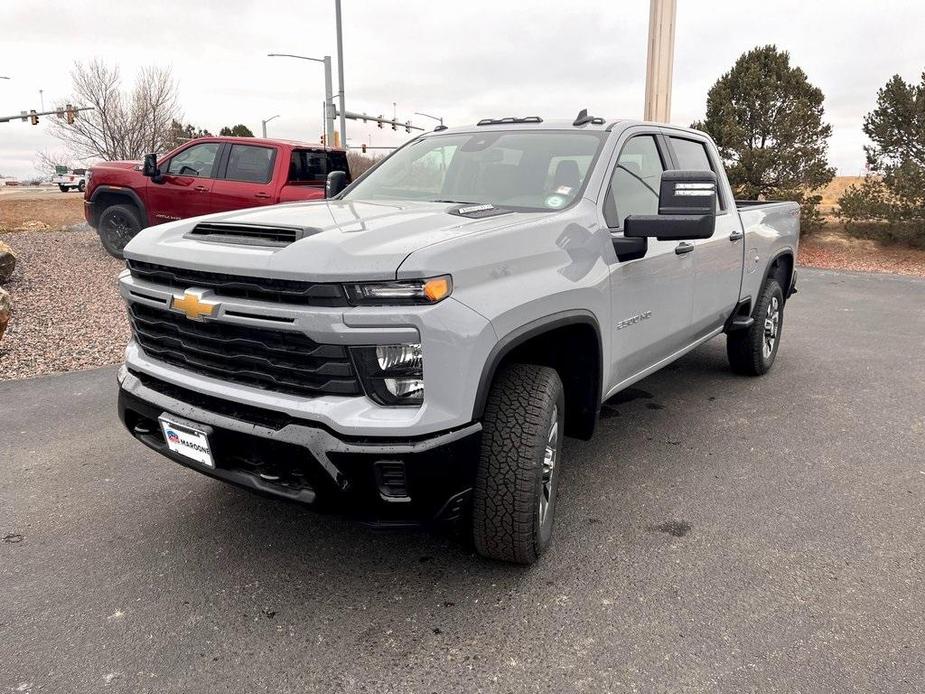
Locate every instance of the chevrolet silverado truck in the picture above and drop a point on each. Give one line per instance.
(415, 347)
(207, 174)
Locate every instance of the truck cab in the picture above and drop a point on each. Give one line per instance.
(416, 347)
(202, 176)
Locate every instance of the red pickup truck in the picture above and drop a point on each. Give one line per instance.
(208, 174)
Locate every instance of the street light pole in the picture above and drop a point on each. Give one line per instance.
(340, 73)
(328, 89)
(263, 123)
(427, 115)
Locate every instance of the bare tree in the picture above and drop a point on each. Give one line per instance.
(47, 162)
(122, 124)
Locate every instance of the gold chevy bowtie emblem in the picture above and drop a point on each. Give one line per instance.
(193, 305)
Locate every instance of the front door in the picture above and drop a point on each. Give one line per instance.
(186, 184)
(247, 180)
(651, 296)
(718, 259)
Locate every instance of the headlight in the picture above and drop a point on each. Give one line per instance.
(392, 374)
(400, 292)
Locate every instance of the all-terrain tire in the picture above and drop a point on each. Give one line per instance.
(63, 188)
(749, 351)
(524, 419)
(117, 226)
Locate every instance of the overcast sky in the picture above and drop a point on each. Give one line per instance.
(459, 60)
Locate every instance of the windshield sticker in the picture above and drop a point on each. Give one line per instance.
(564, 190)
(554, 201)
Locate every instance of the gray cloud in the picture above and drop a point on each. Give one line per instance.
(459, 60)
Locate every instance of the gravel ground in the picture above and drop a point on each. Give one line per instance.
(67, 313)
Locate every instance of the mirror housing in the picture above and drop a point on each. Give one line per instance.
(686, 209)
(149, 167)
(335, 183)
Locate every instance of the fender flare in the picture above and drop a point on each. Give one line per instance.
(128, 192)
(793, 268)
(519, 336)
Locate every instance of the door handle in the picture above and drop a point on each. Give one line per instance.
(736, 235)
(263, 196)
(683, 247)
(202, 189)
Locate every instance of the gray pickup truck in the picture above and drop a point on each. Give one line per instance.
(415, 348)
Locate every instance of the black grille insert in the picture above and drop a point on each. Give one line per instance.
(242, 287)
(277, 360)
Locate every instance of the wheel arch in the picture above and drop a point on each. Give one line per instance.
(781, 267)
(105, 196)
(554, 341)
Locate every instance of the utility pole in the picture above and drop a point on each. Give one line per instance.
(340, 73)
(660, 60)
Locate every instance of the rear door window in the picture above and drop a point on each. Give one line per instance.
(692, 155)
(250, 164)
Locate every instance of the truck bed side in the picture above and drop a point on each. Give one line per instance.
(772, 231)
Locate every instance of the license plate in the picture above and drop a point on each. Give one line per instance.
(187, 439)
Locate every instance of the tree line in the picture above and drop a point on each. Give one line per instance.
(764, 114)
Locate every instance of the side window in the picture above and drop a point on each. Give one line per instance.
(635, 181)
(693, 155)
(197, 160)
(250, 164)
(307, 166)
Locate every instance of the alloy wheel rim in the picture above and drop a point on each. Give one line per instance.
(771, 327)
(550, 458)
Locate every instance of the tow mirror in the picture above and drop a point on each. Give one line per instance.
(149, 168)
(335, 183)
(686, 209)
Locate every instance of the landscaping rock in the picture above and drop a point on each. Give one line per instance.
(6, 310)
(7, 262)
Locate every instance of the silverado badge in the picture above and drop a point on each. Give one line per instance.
(193, 304)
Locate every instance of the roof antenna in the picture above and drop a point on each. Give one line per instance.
(583, 119)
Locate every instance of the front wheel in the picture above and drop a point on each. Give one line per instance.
(82, 186)
(751, 352)
(117, 226)
(516, 484)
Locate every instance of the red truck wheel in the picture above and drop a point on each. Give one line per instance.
(118, 225)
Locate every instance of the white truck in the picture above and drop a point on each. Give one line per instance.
(416, 346)
(70, 179)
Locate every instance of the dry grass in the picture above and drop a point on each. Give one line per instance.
(832, 192)
(42, 212)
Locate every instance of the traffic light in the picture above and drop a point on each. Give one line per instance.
(70, 113)
(33, 117)
(363, 148)
(407, 126)
(322, 138)
(394, 127)
(379, 122)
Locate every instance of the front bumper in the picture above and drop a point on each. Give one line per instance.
(90, 213)
(380, 480)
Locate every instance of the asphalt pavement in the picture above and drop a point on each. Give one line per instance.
(719, 533)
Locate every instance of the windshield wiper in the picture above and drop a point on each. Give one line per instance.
(458, 202)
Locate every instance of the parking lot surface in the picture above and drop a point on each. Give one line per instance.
(719, 533)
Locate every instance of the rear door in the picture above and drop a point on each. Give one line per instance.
(651, 296)
(246, 178)
(185, 185)
(718, 259)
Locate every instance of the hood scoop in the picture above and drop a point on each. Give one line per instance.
(249, 234)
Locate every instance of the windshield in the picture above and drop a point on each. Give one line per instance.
(521, 170)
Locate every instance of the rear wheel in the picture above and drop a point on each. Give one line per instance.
(62, 188)
(751, 352)
(117, 226)
(81, 186)
(516, 485)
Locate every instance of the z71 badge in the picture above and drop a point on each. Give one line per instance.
(632, 320)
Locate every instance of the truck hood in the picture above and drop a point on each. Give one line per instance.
(344, 240)
(117, 165)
